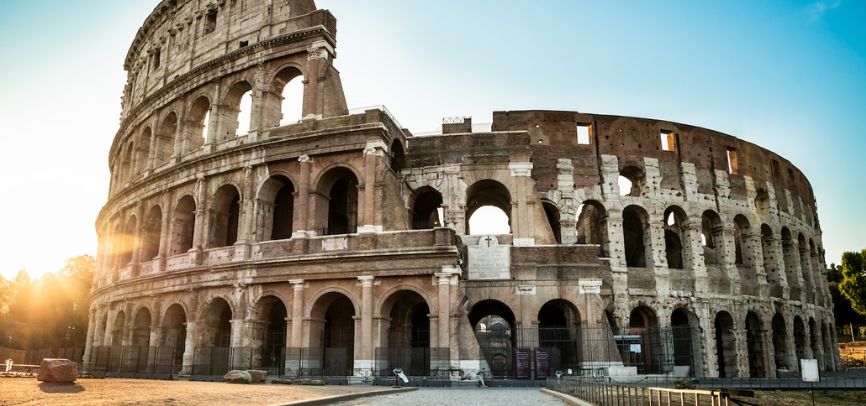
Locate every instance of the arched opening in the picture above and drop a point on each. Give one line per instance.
(142, 156)
(165, 139)
(789, 256)
(127, 241)
(755, 345)
(427, 209)
(631, 181)
(172, 340)
(559, 334)
(237, 110)
(332, 327)
(552, 214)
(712, 239)
(768, 251)
(676, 231)
(139, 353)
(592, 225)
(815, 342)
(197, 125)
(117, 330)
(805, 265)
(829, 347)
(225, 214)
(289, 84)
(726, 345)
(635, 223)
(686, 338)
(488, 208)
(152, 233)
(215, 332)
(183, 226)
(339, 194)
(641, 348)
(277, 203)
(398, 156)
(408, 338)
(800, 345)
(127, 165)
(780, 342)
(744, 256)
(270, 353)
(495, 330)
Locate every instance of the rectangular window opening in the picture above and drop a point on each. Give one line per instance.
(669, 140)
(733, 164)
(244, 44)
(583, 134)
(156, 59)
(210, 22)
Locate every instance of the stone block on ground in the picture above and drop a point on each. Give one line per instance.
(258, 375)
(235, 376)
(57, 370)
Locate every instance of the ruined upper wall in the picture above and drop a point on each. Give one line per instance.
(180, 35)
(553, 135)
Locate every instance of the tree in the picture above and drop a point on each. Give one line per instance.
(842, 310)
(853, 284)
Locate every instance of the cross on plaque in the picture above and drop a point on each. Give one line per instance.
(488, 239)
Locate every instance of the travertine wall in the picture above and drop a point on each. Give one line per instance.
(189, 258)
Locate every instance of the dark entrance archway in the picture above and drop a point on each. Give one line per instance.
(213, 350)
(780, 342)
(332, 329)
(559, 334)
(172, 341)
(726, 345)
(408, 335)
(641, 346)
(495, 329)
(271, 352)
(755, 344)
(685, 338)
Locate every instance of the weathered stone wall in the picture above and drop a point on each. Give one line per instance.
(332, 224)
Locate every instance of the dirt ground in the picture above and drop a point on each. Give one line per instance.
(803, 398)
(28, 391)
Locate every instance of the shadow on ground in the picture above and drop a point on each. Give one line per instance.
(71, 387)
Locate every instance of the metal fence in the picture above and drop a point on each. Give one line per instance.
(600, 391)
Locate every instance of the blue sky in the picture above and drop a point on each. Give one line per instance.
(789, 76)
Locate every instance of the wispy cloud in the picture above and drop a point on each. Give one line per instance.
(817, 9)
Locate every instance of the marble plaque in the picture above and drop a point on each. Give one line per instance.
(489, 260)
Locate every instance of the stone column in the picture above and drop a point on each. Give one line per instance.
(245, 226)
(364, 359)
(447, 280)
(522, 216)
(297, 328)
(88, 342)
(153, 343)
(303, 211)
(199, 238)
(696, 253)
(164, 233)
(374, 151)
(139, 237)
(188, 349)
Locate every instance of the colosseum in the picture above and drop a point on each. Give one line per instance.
(255, 221)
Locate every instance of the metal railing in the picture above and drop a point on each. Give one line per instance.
(600, 391)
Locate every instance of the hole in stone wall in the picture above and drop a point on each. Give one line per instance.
(583, 134)
(631, 181)
(668, 140)
(245, 113)
(733, 163)
(210, 22)
(634, 223)
(493, 200)
(292, 104)
(426, 209)
(489, 220)
(552, 213)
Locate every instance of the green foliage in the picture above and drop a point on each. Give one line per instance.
(853, 284)
(842, 310)
(48, 312)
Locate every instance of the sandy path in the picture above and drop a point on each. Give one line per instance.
(27, 391)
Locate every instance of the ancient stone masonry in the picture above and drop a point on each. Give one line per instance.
(338, 244)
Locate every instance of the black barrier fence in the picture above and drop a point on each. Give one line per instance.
(507, 353)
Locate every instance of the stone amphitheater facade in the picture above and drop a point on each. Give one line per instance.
(342, 237)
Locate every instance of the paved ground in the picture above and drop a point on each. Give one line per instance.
(461, 396)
